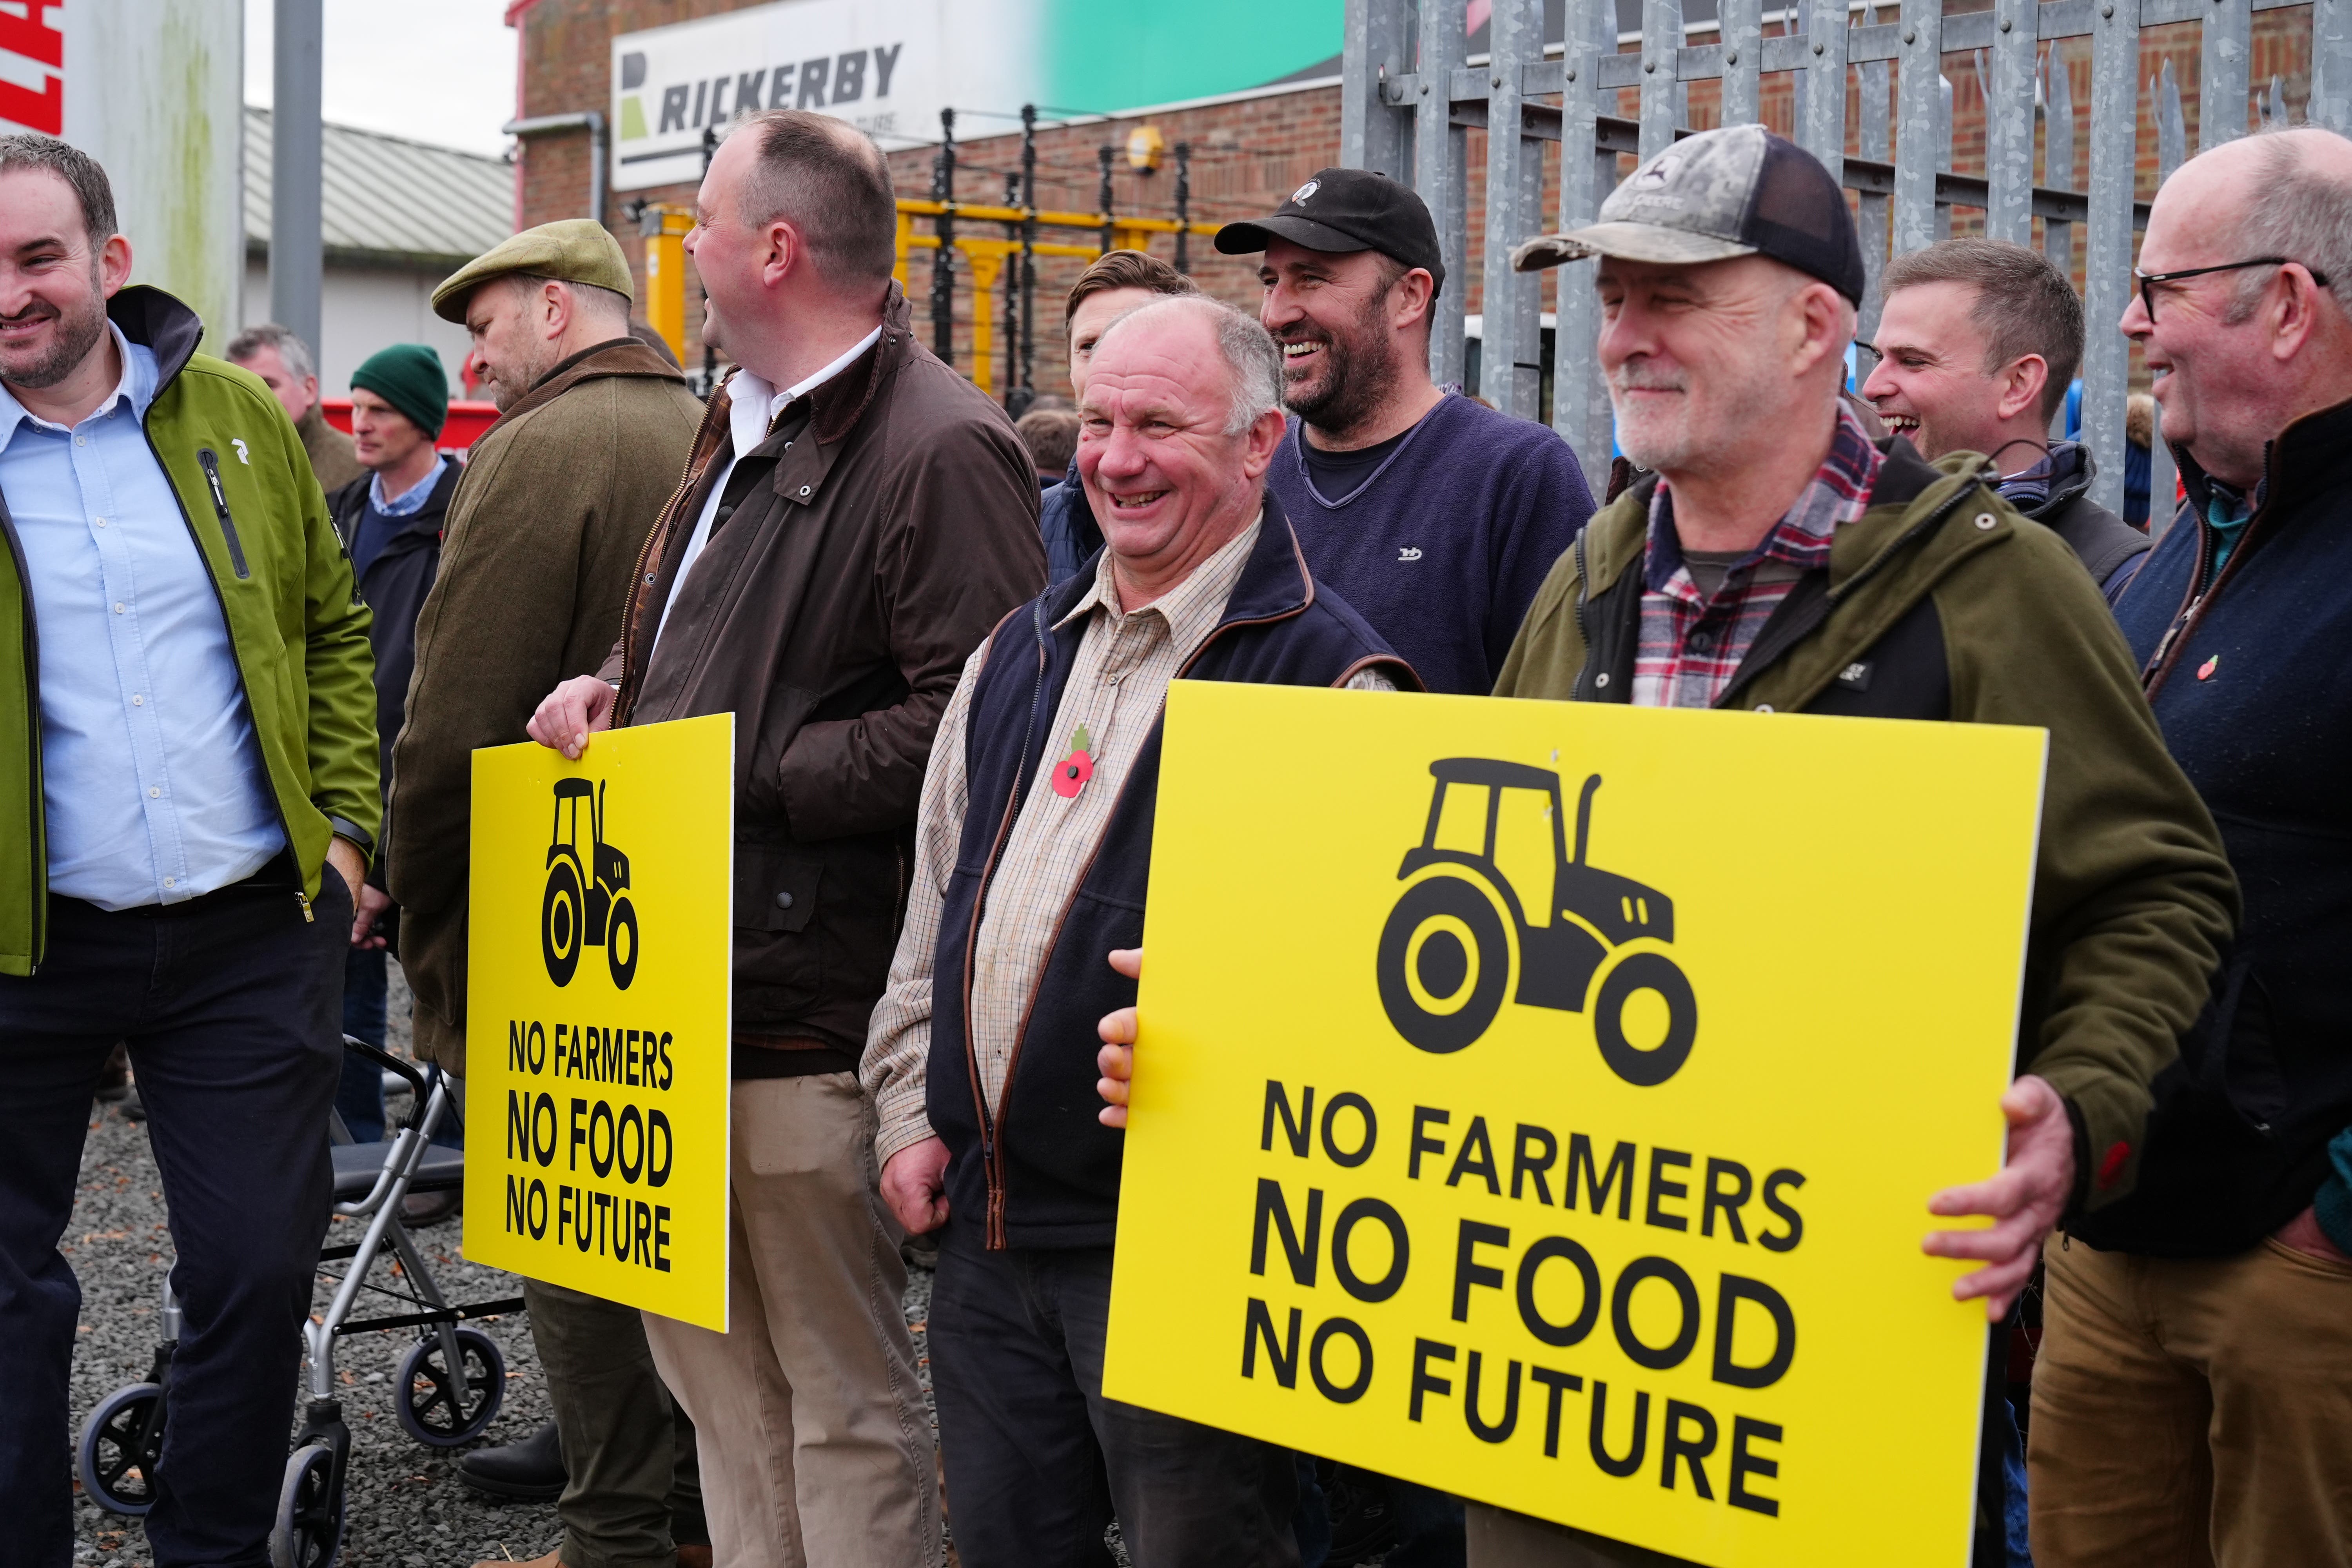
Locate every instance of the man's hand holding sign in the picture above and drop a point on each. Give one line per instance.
(1637, 1254)
(2024, 1200)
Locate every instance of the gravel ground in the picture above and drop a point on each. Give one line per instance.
(406, 1508)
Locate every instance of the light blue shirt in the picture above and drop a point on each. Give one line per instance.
(151, 773)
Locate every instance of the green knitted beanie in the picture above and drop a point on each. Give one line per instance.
(408, 377)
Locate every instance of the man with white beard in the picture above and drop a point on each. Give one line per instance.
(1780, 561)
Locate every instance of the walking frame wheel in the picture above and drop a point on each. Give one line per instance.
(445, 1412)
(308, 1529)
(115, 1457)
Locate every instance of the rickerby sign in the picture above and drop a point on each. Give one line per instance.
(1540, 1101)
(890, 65)
(598, 1016)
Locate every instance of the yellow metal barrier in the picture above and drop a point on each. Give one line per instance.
(664, 229)
(986, 256)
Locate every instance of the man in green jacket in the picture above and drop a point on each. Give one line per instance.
(188, 800)
(543, 534)
(1780, 560)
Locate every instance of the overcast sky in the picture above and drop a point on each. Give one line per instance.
(433, 70)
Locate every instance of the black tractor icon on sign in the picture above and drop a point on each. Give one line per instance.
(1461, 932)
(586, 902)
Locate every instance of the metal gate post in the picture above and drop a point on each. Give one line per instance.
(943, 259)
(1511, 342)
(2009, 122)
(2331, 66)
(1743, 62)
(2058, 165)
(1919, 111)
(1375, 43)
(1579, 395)
(2171, 151)
(1875, 141)
(1441, 175)
(2224, 81)
(1661, 43)
(2107, 254)
(1822, 130)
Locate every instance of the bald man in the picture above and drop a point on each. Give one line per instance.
(2193, 1400)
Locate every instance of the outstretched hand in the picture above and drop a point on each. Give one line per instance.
(1117, 1059)
(2024, 1200)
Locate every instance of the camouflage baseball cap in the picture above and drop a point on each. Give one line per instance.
(1736, 191)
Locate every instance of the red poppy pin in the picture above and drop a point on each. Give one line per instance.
(1071, 773)
(2205, 670)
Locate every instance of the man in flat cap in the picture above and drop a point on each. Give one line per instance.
(1775, 558)
(555, 501)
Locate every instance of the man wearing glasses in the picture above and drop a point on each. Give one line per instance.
(2194, 1389)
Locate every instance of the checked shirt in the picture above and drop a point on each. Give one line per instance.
(1691, 642)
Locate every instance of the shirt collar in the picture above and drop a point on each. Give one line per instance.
(754, 403)
(1192, 607)
(410, 501)
(137, 385)
(1838, 493)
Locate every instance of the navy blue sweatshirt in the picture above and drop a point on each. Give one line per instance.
(1441, 549)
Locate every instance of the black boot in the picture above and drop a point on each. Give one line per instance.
(529, 1471)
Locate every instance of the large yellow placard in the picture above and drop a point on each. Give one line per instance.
(1540, 1101)
(597, 1028)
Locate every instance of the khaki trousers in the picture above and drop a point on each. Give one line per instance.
(810, 1422)
(632, 1496)
(2192, 1411)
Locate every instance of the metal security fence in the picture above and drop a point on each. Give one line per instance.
(1410, 94)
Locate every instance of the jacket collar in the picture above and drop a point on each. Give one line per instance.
(2311, 457)
(1274, 582)
(155, 321)
(835, 408)
(614, 356)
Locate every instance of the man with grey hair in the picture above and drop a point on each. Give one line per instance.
(283, 362)
(1781, 561)
(853, 518)
(1202, 576)
(2193, 1395)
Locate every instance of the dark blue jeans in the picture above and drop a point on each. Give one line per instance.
(1039, 1462)
(1428, 1522)
(360, 1096)
(231, 1010)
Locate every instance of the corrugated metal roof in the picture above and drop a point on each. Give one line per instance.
(390, 199)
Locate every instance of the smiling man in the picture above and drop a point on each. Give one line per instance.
(2195, 1384)
(1435, 515)
(188, 799)
(1976, 343)
(1202, 577)
(1781, 561)
(853, 518)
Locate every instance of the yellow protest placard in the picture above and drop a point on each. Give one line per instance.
(597, 1029)
(1540, 1101)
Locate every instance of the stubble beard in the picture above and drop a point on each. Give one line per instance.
(1359, 373)
(77, 335)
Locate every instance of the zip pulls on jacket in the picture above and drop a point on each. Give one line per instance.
(211, 464)
(220, 509)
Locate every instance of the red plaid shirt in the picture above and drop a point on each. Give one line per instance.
(1691, 645)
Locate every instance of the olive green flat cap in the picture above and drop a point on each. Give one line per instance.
(576, 250)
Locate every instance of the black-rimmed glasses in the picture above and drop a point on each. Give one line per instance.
(2148, 281)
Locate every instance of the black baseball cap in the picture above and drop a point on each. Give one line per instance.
(1347, 209)
(1738, 190)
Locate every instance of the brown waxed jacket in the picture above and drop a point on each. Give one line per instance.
(542, 532)
(890, 522)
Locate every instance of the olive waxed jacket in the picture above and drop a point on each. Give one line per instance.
(1956, 607)
(887, 524)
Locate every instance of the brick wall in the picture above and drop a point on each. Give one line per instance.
(1248, 155)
